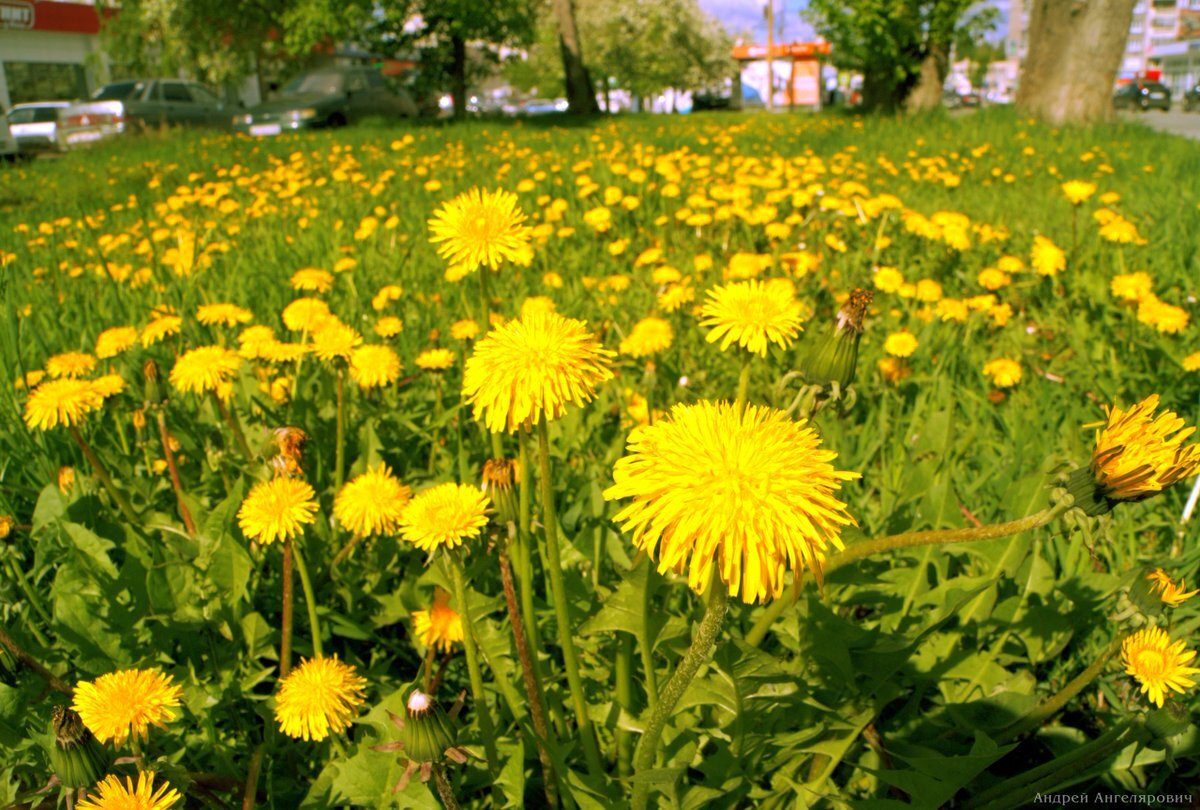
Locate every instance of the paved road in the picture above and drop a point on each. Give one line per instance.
(1176, 121)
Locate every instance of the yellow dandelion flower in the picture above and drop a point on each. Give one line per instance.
(1136, 455)
(109, 385)
(223, 315)
(435, 359)
(386, 295)
(253, 339)
(112, 342)
(275, 351)
(371, 504)
(113, 794)
(439, 627)
(277, 510)
(373, 366)
(675, 296)
(61, 402)
(1192, 362)
(205, 369)
(750, 491)
(480, 228)
(1121, 231)
(649, 336)
(1046, 257)
(1172, 594)
(389, 326)
(464, 330)
(1157, 663)
(444, 515)
(70, 364)
(312, 279)
(532, 368)
(1005, 373)
(1132, 287)
(752, 314)
(161, 328)
(992, 278)
(900, 344)
(334, 340)
(887, 279)
(305, 314)
(1078, 191)
(126, 703)
(318, 698)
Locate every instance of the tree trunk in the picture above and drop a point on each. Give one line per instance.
(1075, 48)
(881, 92)
(458, 75)
(927, 95)
(580, 95)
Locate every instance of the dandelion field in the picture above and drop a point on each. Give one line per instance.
(748, 538)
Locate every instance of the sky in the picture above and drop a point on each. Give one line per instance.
(748, 15)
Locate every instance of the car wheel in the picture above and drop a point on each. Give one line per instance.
(336, 120)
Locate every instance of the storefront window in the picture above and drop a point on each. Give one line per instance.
(44, 81)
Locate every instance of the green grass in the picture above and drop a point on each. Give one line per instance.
(925, 655)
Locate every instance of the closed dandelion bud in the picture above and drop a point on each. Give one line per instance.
(499, 478)
(6, 526)
(76, 756)
(428, 732)
(139, 419)
(833, 358)
(153, 389)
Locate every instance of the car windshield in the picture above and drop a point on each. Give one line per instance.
(323, 83)
(33, 115)
(118, 91)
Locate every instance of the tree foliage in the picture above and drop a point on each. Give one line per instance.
(888, 41)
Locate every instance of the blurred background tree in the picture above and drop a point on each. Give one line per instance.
(901, 47)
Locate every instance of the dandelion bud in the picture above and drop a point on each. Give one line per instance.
(6, 526)
(834, 357)
(428, 732)
(76, 756)
(153, 391)
(139, 419)
(499, 478)
(66, 479)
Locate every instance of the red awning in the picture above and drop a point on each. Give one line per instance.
(34, 15)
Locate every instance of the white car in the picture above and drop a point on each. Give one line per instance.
(36, 126)
(8, 144)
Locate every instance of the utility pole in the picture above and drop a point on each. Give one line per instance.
(770, 55)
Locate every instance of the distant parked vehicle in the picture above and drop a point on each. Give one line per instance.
(1191, 99)
(56, 126)
(954, 100)
(163, 102)
(330, 97)
(35, 126)
(1141, 95)
(8, 144)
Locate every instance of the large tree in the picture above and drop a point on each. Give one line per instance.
(901, 47)
(1075, 48)
(581, 95)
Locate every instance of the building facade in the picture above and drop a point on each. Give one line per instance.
(48, 50)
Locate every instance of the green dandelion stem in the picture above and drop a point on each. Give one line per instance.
(624, 678)
(561, 609)
(310, 600)
(445, 792)
(743, 388)
(285, 629)
(176, 484)
(339, 469)
(645, 646)
(252, 778)
(702, 646)
(523, 555)
(895, 542)
(105, 479)
(53, 681)
(537, 706)
(483, 716)
(1053, 704)
(239, 438)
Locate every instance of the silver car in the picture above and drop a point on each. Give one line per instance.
(36, 126)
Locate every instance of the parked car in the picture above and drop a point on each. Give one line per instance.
(330, 97)
(8, 144)
(954, 100)
(35, 126)
(1191, 99)
(163, 102)
(1142, 95)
